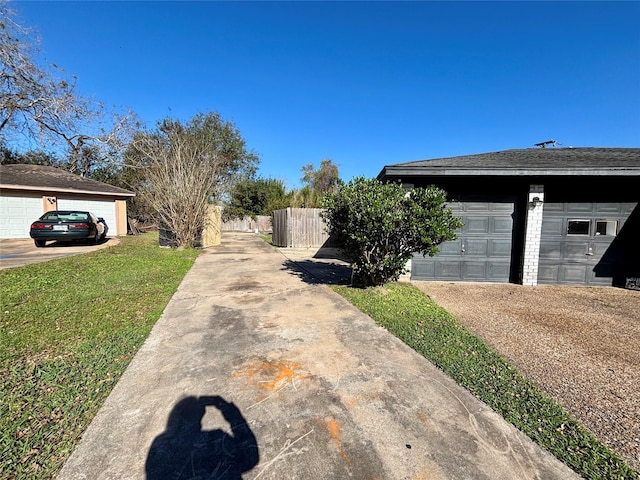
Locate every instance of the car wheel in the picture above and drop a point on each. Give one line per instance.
(40, 243)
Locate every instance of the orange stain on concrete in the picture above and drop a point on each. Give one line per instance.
(424, 418)
(334, 430)
(430, 472)
(271, 376)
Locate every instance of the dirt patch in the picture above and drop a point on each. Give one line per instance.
(579, 344)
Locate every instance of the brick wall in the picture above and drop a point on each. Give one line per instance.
(532, 235)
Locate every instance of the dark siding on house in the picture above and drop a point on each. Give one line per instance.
(600, 183)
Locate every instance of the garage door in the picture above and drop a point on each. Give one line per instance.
(575, 238)
(17, 212)
(482, 251)
(100, 208)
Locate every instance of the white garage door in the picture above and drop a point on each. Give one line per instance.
(17, 212)
(100, 208)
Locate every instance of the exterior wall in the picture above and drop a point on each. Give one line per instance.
(121, 217)
(49, 203)
(533, 232)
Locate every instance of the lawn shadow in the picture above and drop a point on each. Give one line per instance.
(186, 451)
(76, 243)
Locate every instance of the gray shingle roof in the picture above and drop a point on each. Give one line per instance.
(40, 177)
(529, 161)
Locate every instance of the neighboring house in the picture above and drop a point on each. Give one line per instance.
(543, 215)
(27, 191)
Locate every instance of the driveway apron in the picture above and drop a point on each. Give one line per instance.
(258, 370)
(20, 252)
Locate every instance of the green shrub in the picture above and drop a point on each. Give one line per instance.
(380, 226)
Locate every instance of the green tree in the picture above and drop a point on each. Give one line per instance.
(32, 157)
(317, 183)
(182, 166)
(380, 226)
(253, 197)
(306, 197)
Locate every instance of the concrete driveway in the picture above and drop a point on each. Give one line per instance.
(19, 252)
(258, 370)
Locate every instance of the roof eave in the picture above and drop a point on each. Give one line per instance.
(64, 190)
(421, 171)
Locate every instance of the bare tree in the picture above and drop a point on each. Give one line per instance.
(184, 165)
(89, 150)
(26, 89)
(31, 97)
(46, 109)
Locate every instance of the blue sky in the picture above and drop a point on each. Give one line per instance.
(365, 84)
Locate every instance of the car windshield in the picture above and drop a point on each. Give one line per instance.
(66, 216)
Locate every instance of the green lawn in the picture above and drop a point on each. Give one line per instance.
(68, 330)
(430, 330)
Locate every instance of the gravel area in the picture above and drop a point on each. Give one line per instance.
(581, 345)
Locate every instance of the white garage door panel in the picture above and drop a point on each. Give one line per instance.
(17, 213)
(100, 208)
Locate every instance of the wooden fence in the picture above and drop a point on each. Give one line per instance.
(247, 224)
(299, 228)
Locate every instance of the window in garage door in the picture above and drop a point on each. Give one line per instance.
(578, 227)
(607, 228)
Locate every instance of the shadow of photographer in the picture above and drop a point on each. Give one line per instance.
(185, 451)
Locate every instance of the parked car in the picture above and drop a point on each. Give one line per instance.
(68, 226)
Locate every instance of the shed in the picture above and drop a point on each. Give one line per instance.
(537, 215)
(27, 191)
